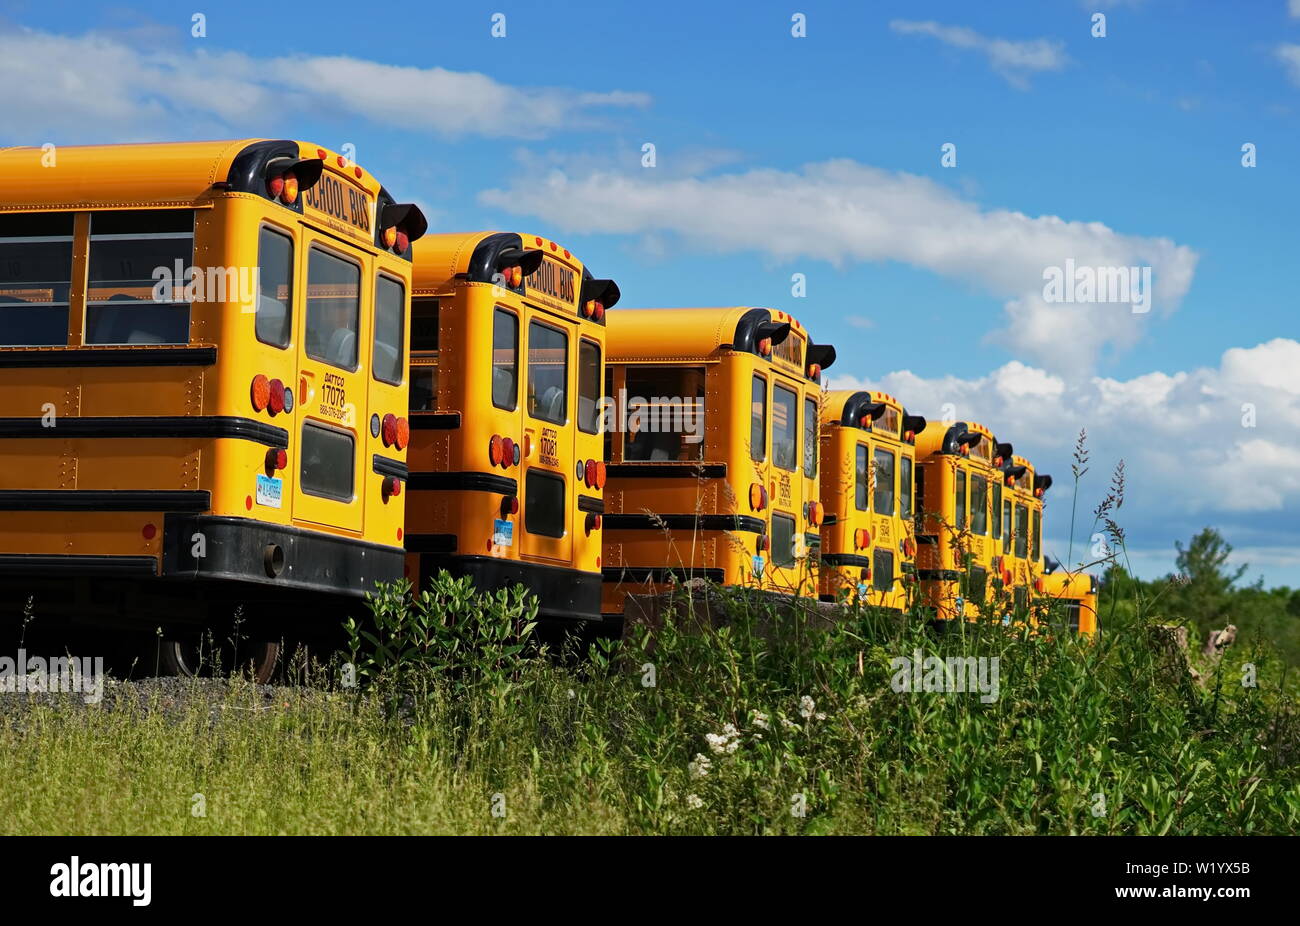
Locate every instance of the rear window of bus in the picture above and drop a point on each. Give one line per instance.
(979, 505)
(275, 287)
(505, 360)
(548, 373)
(758, 420)
(664, 408)
(785, 411)
(589, 382)
(390, 299)
(35, 275)
(333, 309)
(884, 494)
(810, 438)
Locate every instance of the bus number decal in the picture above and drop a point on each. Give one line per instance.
(334, 397)
(550, 447)
(783, 490)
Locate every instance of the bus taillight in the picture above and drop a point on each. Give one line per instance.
(593, 523)
(260, 392)
(403, 433)
(388, 430)
(600, 474)
(392, 487)
(862, 538)
(589, 474)
(509, 505)
(757, 497)
(496, 450)
(508, 449)
(276, 458)
(276, 401)
(765, 347)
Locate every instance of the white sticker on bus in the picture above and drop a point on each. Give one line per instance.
(503, 533)
(269, 491)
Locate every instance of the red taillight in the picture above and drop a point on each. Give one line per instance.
(765, 346)
(149, 532)
(516, 277)
(276, 458)
(509, 505)
(600, 475)
(1039, 585)
(598, 311)
(276, 398)
(274, 187)
(763, 543)
(403, 433)
(585, 309)
(589, 475)
(403, 242)
(507, 452)
(1038, 493)
(388, 430)
(1006, 577)
(389, 236)
(814, 371)
(593, 523)
(290, 194)
(862, 538)
(757, 497)
(495, 450)
(392, 487)
(261, 392)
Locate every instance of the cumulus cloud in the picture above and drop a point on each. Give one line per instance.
(109, 87)
(1289, 55)
(842, 211)
(1213, 445)
(1012, 60)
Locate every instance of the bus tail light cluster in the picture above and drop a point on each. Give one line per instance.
(866, 574)
(1039, 585)
(865, 422)
(593, 309)
(276, 458)
(270, 395)
(592, 473)
(765, 347)
(763, 544)
(813, 513)
(593, 523)
(392, 487)
(757, 497)
(815, 372)
(509, 505)
(395, 431)
(1038, 493)
(908, 547)
(861, 538)
(399, 225)
(503, 451)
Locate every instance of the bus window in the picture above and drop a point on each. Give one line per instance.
(883, 502)
(1006, 525)
(979, 506)
(544, 504)
(905, 487)
(782, 540)
(35, 275)
(589, 386)
(548, 373)
(665, 414)
(327, 463)
(274, 320)
(609, 431)
(961, 499)
(505, 360)
(997, 507)
(390, 324)
(1022, 531)
(758, 420)
(1036, 537)
(863, 478)
(785, 409)
(122, 304)
(424, 340)
(810, 438)
(333, 309)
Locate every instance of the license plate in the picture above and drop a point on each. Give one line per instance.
(503, 533)
(270, 491)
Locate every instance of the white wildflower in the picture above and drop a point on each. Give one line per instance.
(572, 693)
(821, 715)
(700, 766)
(807, 707)
(693, 802)
(760, 720)
(724, 743)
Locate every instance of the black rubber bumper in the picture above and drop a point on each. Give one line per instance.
(563, 594)
(274, 556)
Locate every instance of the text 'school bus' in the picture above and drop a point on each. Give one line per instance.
(1020, 562)
(203, 376)
(868, 548)
(507, 465)
(959, 485)
(1075, 594)
(712, 450)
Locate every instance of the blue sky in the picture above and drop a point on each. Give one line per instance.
(820, 155)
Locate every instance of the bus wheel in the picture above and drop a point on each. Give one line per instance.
(191, 656)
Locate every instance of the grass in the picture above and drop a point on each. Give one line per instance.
(688, 732)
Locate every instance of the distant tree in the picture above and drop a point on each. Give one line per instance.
(1205, 594)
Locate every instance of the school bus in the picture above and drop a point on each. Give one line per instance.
(507, 463)
(868, 549)
(959, 485)
(1020, 562)
(203, 377)
(713, 453)
(1074, 593)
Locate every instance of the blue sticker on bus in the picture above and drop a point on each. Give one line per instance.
(758, 567)
(503, 533)
(270, 491)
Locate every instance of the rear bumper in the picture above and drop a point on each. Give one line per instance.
(562, 594)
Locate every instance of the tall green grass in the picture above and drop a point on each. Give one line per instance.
(767, 723)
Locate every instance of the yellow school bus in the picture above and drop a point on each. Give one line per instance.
(958, 483)
(1074, 593)
(203, 377)
(868, 549)
(713, 453)
(1020, 561)
(507, 454)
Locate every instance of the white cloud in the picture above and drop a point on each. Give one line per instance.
(1013, 60)
(842, 211)
(1293, 7)
(1289, 55)
(1190, 459)
(106, 87)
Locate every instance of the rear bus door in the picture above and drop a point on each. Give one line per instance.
(548, 469)
(333, 369)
